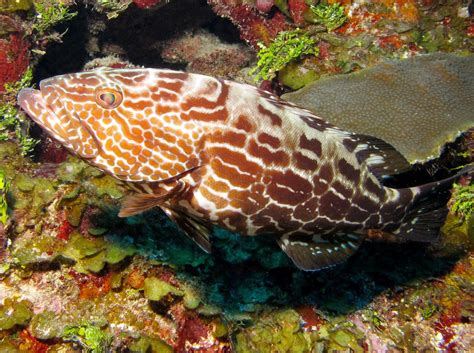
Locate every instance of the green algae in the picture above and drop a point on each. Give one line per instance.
(50, 13)
(30, 250)
(279, 332)
(148, 344)
(107, 185)
(113, 8)
(156, 289)
(4, 187)
(192, 298)
(48, 325)
(36, 192)
(15, 5)
(331, 16)
(14, 313)
(92, 338)
(295, 75)
(285, 48)
(92, 254)
(13, 123)
(463, 201)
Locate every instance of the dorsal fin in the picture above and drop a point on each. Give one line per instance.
(381, 158)
(195, 228)
(141, 202)
(313, 253)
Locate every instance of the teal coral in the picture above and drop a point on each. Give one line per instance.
(331, 16)
(285, 48)
(4, 187)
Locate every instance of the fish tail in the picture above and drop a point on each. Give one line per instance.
(428, 210)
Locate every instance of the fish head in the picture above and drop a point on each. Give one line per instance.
(120, 120)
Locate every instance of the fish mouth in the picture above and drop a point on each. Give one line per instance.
(45, 107)
(33, 103)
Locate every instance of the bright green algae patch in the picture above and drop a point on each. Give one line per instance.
(4, 187)
(285, 48)
(417, 104)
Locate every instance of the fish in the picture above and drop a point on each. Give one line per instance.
(211, 152)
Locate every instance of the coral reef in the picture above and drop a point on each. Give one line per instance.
(253, 26)
(353, 34)
(417, 104)
(205, 53)
(76, 278)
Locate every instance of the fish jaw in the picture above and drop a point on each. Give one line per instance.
(45, 107)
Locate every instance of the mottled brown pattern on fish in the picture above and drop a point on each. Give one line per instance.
(240, 158)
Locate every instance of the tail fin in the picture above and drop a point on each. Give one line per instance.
(428, 210)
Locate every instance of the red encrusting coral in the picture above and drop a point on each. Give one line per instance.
(92, 286)
(311, 319)
(195, 335)
(65, 230)
(29, 343)
(443, 326)
(297, 8)
(13, 53)
(146, 4)
(470, 30)
(51, 151)
(254, 27)
(392, 42)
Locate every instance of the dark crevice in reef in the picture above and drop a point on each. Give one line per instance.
(140, 32)
(70, 55)
(136, 35)
(453, 155)
(224, 29)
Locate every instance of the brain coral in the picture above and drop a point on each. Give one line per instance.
(417, 104)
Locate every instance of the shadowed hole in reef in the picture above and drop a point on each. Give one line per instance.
(239, 274)
(142, 34)
(70, 54)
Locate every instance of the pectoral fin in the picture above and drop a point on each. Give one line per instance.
(313, 253)
(141, 202)
(195, 228)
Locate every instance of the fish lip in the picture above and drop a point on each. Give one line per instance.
(26, 98)
(32, 102)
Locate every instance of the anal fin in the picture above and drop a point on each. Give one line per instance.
(313, 253)
(195, 228)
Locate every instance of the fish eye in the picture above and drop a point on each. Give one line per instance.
(108, 98)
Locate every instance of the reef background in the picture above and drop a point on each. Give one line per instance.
(76, 278)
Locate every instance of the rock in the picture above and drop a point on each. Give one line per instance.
(417, 104)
